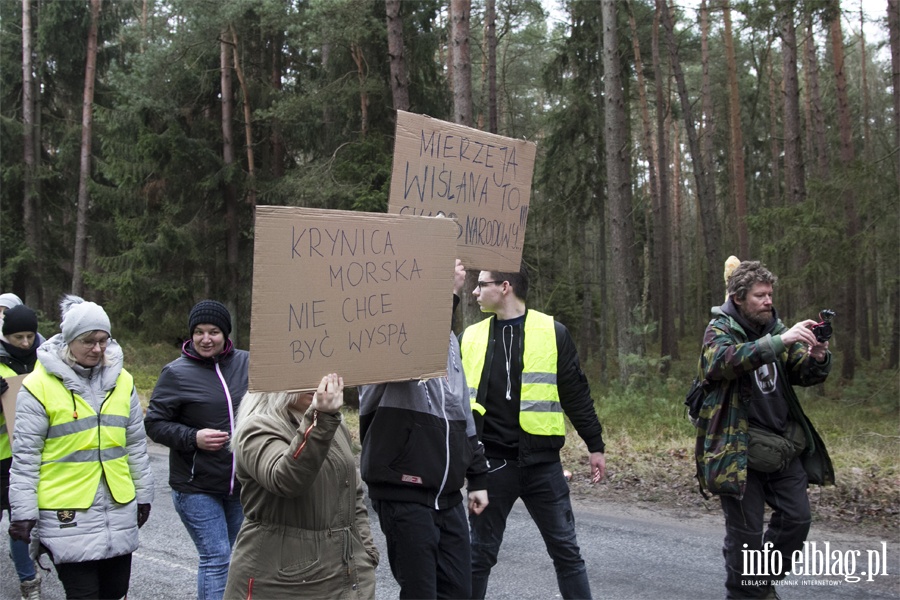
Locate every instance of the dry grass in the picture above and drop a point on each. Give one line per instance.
(650, 454)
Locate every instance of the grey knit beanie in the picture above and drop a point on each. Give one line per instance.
(210, 312)
(80, 317)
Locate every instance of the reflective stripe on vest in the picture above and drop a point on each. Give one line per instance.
(540, 412)
(81, 445)
(473, 348)
(5, 448)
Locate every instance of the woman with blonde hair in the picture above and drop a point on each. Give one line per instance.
(306, 530)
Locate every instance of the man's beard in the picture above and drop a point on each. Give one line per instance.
(760, 318)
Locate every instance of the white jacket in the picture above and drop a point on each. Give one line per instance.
(106, 529)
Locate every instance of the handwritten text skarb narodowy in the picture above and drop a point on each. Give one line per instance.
(471, 173)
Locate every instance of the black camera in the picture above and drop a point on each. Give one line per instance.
(823, 329)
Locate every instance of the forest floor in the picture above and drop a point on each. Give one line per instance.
(863, 501)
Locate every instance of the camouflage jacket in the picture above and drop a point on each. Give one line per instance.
(728, 359)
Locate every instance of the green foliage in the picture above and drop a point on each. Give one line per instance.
(145, 361)
(316, 86)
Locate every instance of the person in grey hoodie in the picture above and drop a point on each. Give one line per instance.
(418, 448)
(80, 472)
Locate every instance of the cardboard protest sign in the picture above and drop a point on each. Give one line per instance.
(365, 295)
(8, 401)
(482, 180)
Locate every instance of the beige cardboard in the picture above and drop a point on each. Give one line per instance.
(365, 295)
(9, 402)
(480, 179)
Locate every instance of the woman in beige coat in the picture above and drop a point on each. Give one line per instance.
(306, 530)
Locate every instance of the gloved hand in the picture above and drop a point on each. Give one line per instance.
(21, 530)
(143, 514)
(3, 386)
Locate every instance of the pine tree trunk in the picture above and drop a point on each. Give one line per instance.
(894, 32)
(31, 218)
(232, 232)
(816, 122)
(708, 121)
(866, 290)
(356, 51)
(650, 152)
(278, 150)
(586, 330)
(774, 136)
(737, 140)
(248, 124)
(399, 80)
(794, 176)
(678, 269)
(491, 26)
(662, 255)
(893, 18)
(848, 323)
(619, 184)
(702, 175)
(460, 11)
(87, 126)
(794, 172)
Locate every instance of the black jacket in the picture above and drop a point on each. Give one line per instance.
(189, 396)
(574, 396)
(418, 439)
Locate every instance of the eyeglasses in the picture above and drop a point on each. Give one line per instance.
(88, 344)
(481, 284)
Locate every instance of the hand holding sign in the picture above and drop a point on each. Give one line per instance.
(330, 395)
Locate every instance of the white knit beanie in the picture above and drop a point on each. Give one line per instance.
(80, 317)
(10, 300)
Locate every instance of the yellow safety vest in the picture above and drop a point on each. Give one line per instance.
(540, 412)
(5, 448)
(81, 445)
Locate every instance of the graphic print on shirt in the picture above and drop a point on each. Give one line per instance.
(766, 378)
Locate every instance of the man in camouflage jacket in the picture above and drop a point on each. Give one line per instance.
(750, 363)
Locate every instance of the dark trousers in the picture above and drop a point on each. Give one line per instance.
(785, 492)
(105, 579)
(428, 549)
(545, 492)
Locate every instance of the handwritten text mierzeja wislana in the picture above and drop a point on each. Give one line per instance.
(470, 171)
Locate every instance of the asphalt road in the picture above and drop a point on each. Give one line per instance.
(631, 553)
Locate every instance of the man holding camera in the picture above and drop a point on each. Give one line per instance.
(755, 446)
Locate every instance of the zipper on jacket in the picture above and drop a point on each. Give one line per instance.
(446, 444)
(231, 425)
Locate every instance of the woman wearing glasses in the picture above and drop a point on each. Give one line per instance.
(80, 472)
(192, 411)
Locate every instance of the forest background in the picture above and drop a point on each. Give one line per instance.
(137, 137)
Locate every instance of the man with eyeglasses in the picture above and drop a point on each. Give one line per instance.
(520, 394)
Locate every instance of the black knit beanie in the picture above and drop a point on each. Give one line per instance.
(210, 312)
(19, 318)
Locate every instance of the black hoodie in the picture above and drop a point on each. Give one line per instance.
(768, 407)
